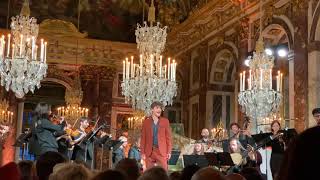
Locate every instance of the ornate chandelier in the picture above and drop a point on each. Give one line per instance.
(259, 100)
(73, 111)
(22, 65)
(151, 79)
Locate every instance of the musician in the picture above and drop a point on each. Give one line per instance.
(156, 138)
(247, 157)
(278, 147)
(316, 115)
(244, 136)
(205, 136)
(198, 149)
(46, 133)
(134, 151)
(119, 154)
(83, 151)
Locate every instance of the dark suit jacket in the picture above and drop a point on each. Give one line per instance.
(164, 137)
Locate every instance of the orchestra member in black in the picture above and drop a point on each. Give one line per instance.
(278, 147)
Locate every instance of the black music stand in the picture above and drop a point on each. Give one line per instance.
(219, 159)
(199, 160)
(262, 139)
(174, 157)
(114, 144)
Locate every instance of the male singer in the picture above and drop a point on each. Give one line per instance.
(156, 138)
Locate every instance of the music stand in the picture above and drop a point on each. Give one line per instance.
(199, 160)
(174, 157)
(262, 138)
(219, 159)
(114, 144)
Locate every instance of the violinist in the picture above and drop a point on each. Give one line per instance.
(244, 136)
(278, 148)
(46, 132)
(84, 151)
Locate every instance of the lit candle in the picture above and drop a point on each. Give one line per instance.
(12, 55)
(8, 48)
(270, 77)
(127, 68)
(124, 70)
(140, 64)
(134, 69)
(32, 47)
(41, 50)
(244, 80)
(35, 52)
(160, 67)
(260, 78)
(21, 38)
(281, 81)
(175, 71)
(278, 81)
(168, 68)
(131, 68)
(11, 117)
(240, 81)
(45, 52)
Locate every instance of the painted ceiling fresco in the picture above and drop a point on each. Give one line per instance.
(102, 19)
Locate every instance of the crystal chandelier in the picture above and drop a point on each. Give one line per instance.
(260, 100)
(22, 65)
(151, 79)
(73, 111)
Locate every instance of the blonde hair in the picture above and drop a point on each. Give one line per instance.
(70, 171)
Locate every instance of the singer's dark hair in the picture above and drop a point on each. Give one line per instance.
(273, 122)
(316, 111)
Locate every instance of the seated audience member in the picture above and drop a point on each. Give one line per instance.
(110, 174)
(10, 171)
(301, 156)
(189, 171)
(154, 173)
(130, 167)
(251, 174)
(70, 171)
(46, 162)
(27, 170)
(235, 176)
(208, 173)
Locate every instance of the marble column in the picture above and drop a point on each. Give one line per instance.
(19, 126)
(290, 122)
(313, 85)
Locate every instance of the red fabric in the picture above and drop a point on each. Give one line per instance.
(164, 137)
(10, 171)
(156, 159)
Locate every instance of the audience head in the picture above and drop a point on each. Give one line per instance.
(27, 170)
(208, 173)
(251, 174)
(46, 162)
(205, 133)
(275, 126)
(110, 174)
(300, 155)
(316, 115)
(10, 171)
(189, 171)
(155, 173)
(70, 171)
(129, 167)
(175, 176)
(235, 176)
(235, 128)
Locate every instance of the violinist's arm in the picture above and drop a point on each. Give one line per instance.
(46, 124)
